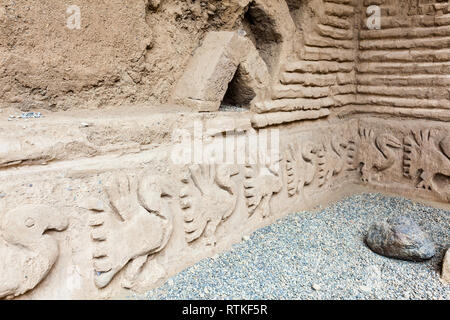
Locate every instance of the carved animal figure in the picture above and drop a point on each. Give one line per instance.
(300, 167)
(331, 160)
(262, 181)
(369, 152)
(137, 225)
(208, 198)
(27, 252)
(425, 157)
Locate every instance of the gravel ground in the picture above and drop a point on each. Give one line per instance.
(319, 255)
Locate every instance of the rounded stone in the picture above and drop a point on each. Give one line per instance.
(400, 238)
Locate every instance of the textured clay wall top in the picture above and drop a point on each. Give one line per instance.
(120, 53)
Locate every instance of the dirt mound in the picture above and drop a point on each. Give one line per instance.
(129, 52)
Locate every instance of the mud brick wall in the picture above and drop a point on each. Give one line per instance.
(321, 72)
(136, 52)
(312, 49)
(44, 64)
(405, 64)
(350, 106)
(403, 71)
(126, 52)
(305, 62)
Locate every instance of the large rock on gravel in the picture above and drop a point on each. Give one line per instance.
(400, 238)
(446, 267)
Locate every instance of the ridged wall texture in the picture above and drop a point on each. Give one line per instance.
(119, 157)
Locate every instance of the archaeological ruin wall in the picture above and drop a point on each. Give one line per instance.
(402, 73)
(110, 192)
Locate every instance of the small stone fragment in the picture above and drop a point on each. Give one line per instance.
(153, 5)
(30, 115)
(366, 289)
(446, 267)
(242, 33)
(316, 287)
(400, 238)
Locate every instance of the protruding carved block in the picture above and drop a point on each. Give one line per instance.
(213, 66)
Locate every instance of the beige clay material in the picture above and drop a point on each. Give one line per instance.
(93, 204)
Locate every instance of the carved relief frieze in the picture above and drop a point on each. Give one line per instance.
(262, 181)
(300, 166)
(27, 253)
(371, 153)
(208, 197)
(426, 157)
(133, 226)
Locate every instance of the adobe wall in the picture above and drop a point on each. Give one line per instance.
(136, 53)
(122, 54)
(130, 219)
(95, 199)
(403, 72)
(406, 63)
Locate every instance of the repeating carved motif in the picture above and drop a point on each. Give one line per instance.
(370, 153)
(331, 160)
(136, 224)
(308, 63)
(300, 166)
(425, 156)
(208, 198)
(27, 252)
(321, 161)
(262, 182)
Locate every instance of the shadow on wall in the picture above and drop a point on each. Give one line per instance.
(260, 28)
(261, 31)
(238, 68)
